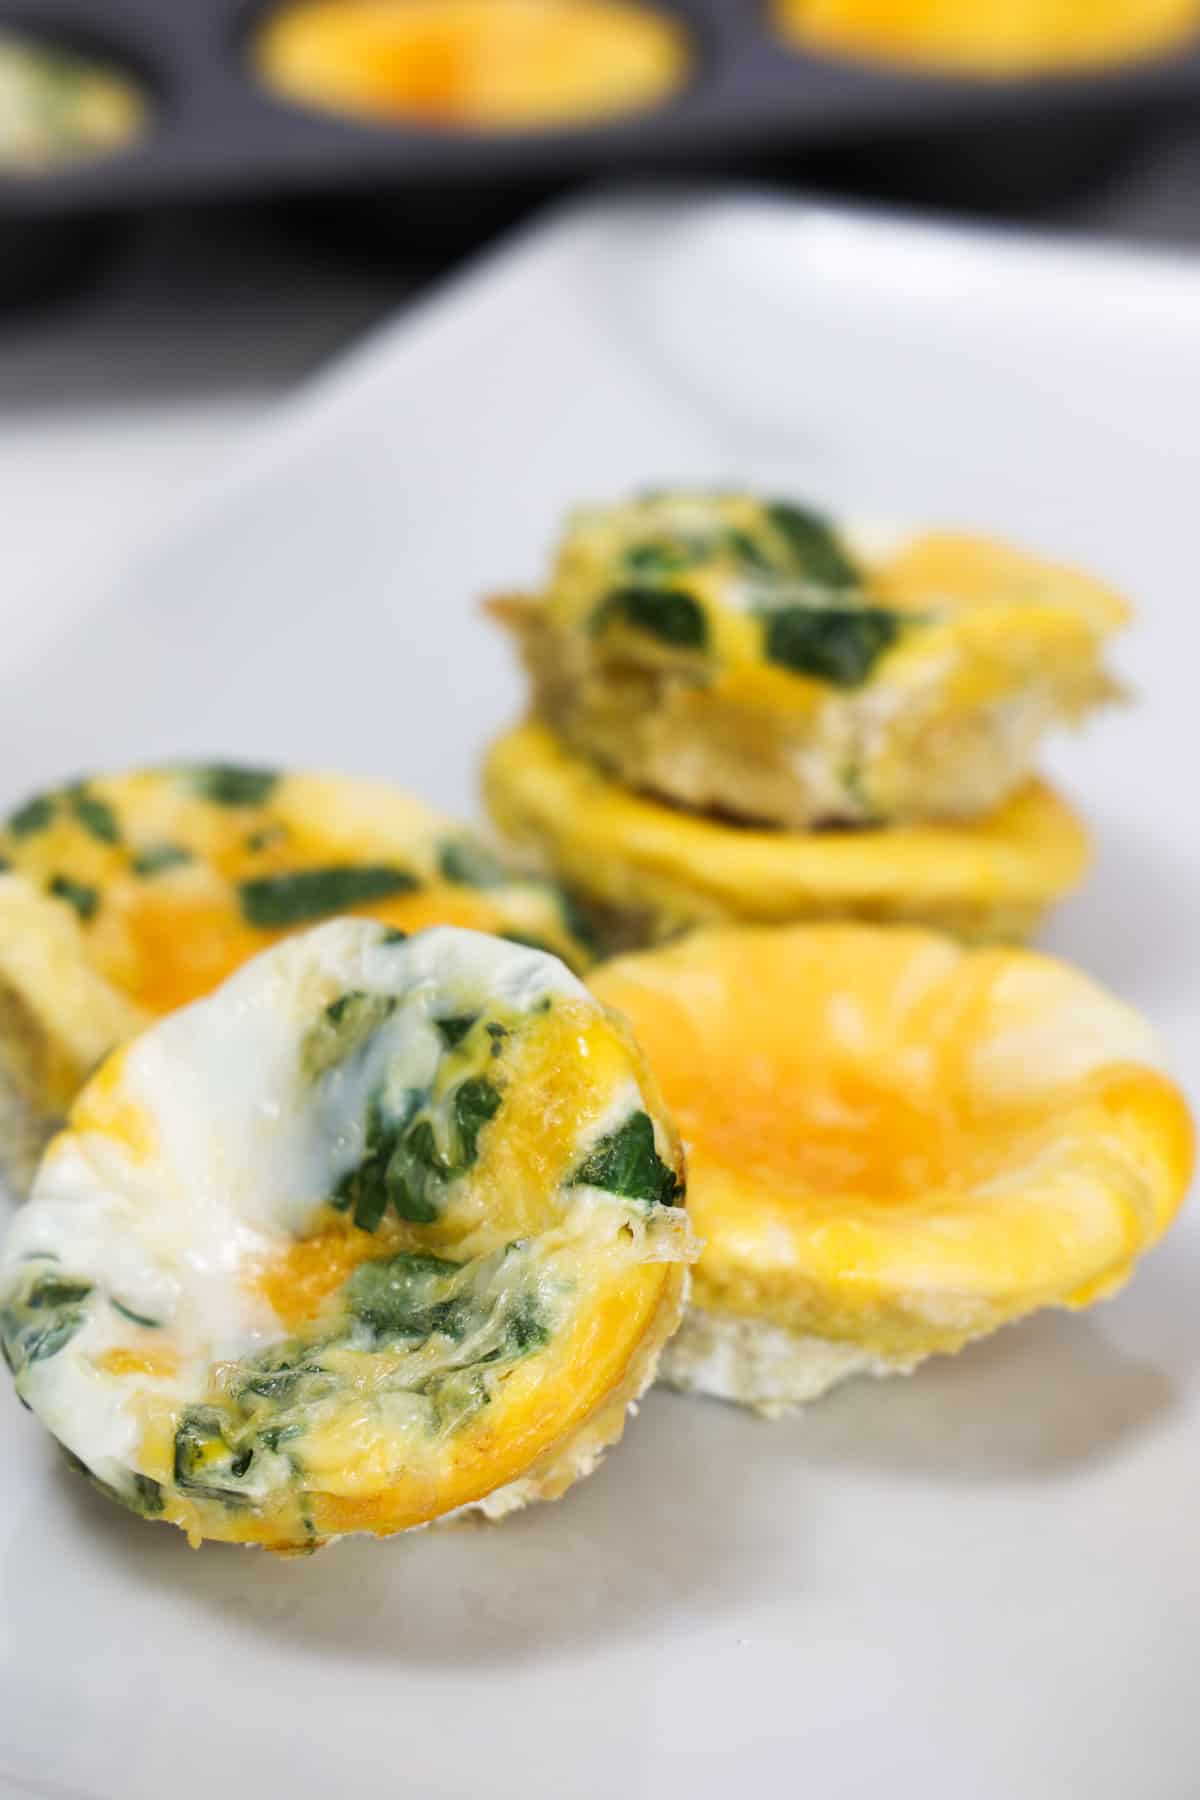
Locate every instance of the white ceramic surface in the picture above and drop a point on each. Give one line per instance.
(977, 1584)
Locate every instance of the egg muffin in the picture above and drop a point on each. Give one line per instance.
(644, 871)
(60, 106)
(383, 1229)
(124, 896)
(991, 38)
(754, 658)
(894, 1145)
(484, 65)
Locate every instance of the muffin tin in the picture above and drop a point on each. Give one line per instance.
(217, 133)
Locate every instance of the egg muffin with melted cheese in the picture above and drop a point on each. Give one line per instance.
(894, 1145)
(484, 65)
(754, 658)
(991, 38)
(124, 896)
(384, 1228)
(646, 872)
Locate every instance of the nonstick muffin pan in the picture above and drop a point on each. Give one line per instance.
(215, 132)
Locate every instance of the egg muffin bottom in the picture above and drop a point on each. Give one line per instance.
(647, 872)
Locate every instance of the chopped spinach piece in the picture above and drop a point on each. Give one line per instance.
(456, 1397)
(135, 1318)
(207, 1464)
(37, 1324)
(267, 838)
(838, 644)
(270, 1384)
(155, 858)
(671, 615)
(57, 1290)
(32, 817)
(526, 1328)
(471, 865)
(748, 550)
(392, 934)
(95, 815)
(364, 1187)
(399, 1296)
(626, 1162)
(227, 784)
(416, 1173)
(455, 1029)
(475, 1102)
(343, 1027)
(147, 1497)
(663, 557)
(370, 1200)
(274, 1435)
(814, 546)
(78, 894)
(5, 865)
(39, 1346)
(281, 900)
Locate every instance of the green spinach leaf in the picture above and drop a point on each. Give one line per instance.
(626, 1162)
(277, 901)
(838, 644)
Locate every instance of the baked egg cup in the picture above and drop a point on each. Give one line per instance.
(646, 871)
(997, 39)
(124, 896)
(474, 65)
(895, 1145)
(753, 657)
(383, 1229)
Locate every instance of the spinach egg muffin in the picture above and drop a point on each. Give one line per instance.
(753, 658)
(645, 871)
(124, 896)
(60, 106)
(894, 1145)
(382, 1229)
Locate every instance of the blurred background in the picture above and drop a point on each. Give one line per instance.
(200, 202)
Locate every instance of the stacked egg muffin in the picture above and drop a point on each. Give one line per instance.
(744, 710)
(752, 724)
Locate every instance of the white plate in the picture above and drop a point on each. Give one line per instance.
(973, 1585)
